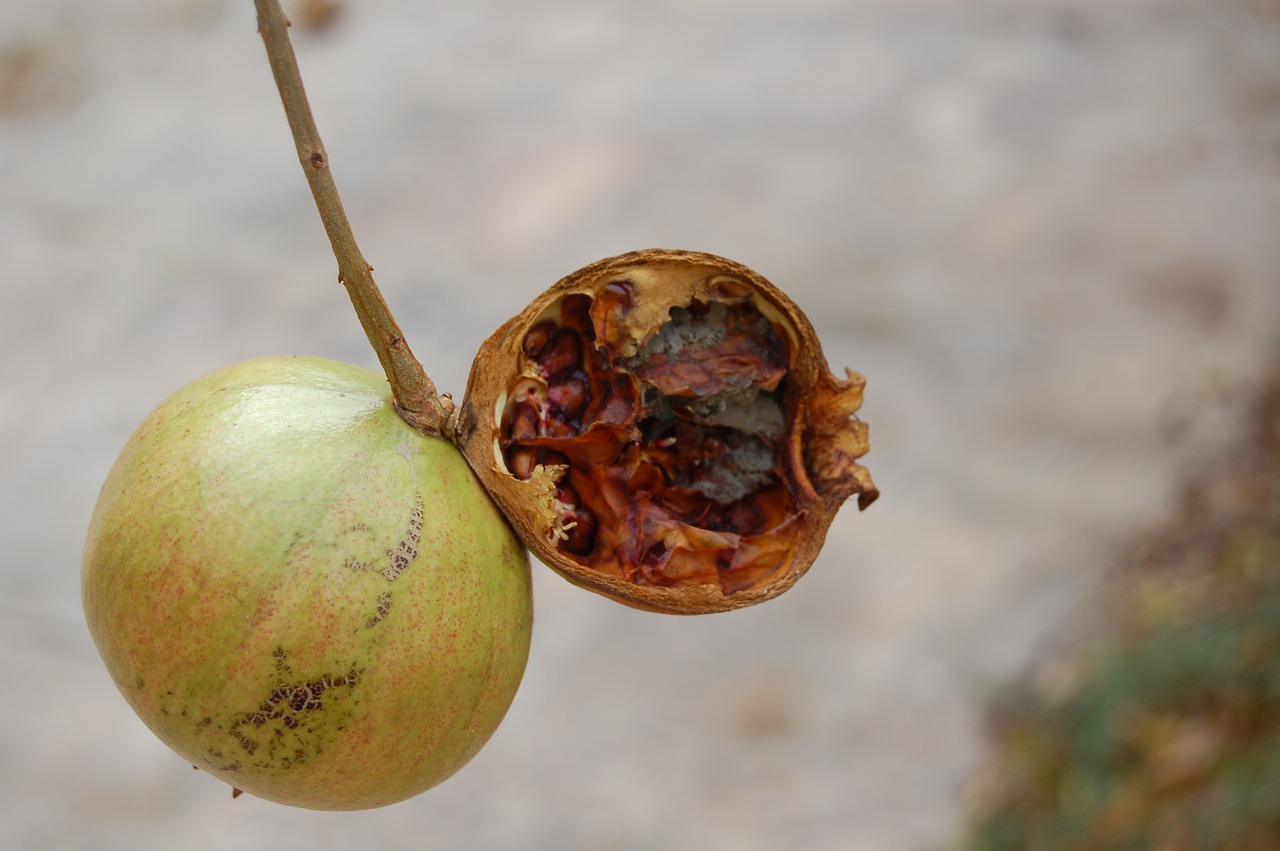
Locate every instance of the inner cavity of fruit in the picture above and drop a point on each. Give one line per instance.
(671, 450)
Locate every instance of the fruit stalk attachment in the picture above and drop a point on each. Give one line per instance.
(416, 398)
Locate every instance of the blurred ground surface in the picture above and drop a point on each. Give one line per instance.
(1045, 231)
(1162, 729)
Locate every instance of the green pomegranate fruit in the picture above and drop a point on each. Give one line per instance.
(301, 594)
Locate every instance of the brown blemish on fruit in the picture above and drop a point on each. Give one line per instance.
(384, 608)
(407, 550)
(278, 733)
(399, 558)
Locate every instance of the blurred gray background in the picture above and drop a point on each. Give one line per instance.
(1047, 231)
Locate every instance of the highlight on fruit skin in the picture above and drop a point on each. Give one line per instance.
(661, 427)
(302, 595)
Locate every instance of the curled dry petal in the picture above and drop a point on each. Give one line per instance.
(662, 428)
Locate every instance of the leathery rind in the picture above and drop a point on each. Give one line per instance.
(661, 427)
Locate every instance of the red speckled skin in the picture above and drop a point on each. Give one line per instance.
(300, 594)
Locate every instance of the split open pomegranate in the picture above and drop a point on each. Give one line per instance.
(661, 427)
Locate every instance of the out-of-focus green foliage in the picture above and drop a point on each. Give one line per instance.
(1164, 735)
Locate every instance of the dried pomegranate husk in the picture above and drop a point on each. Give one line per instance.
(661, 427)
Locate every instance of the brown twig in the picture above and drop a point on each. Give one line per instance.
(414, 393)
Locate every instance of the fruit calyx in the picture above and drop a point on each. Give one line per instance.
(661, 427)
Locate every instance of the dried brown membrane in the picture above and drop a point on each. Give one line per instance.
(661, 427)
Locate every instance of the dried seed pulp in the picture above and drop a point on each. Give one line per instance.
(672, 451)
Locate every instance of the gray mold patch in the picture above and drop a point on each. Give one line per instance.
(749, 410)
(745, 467)
(682, 330)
